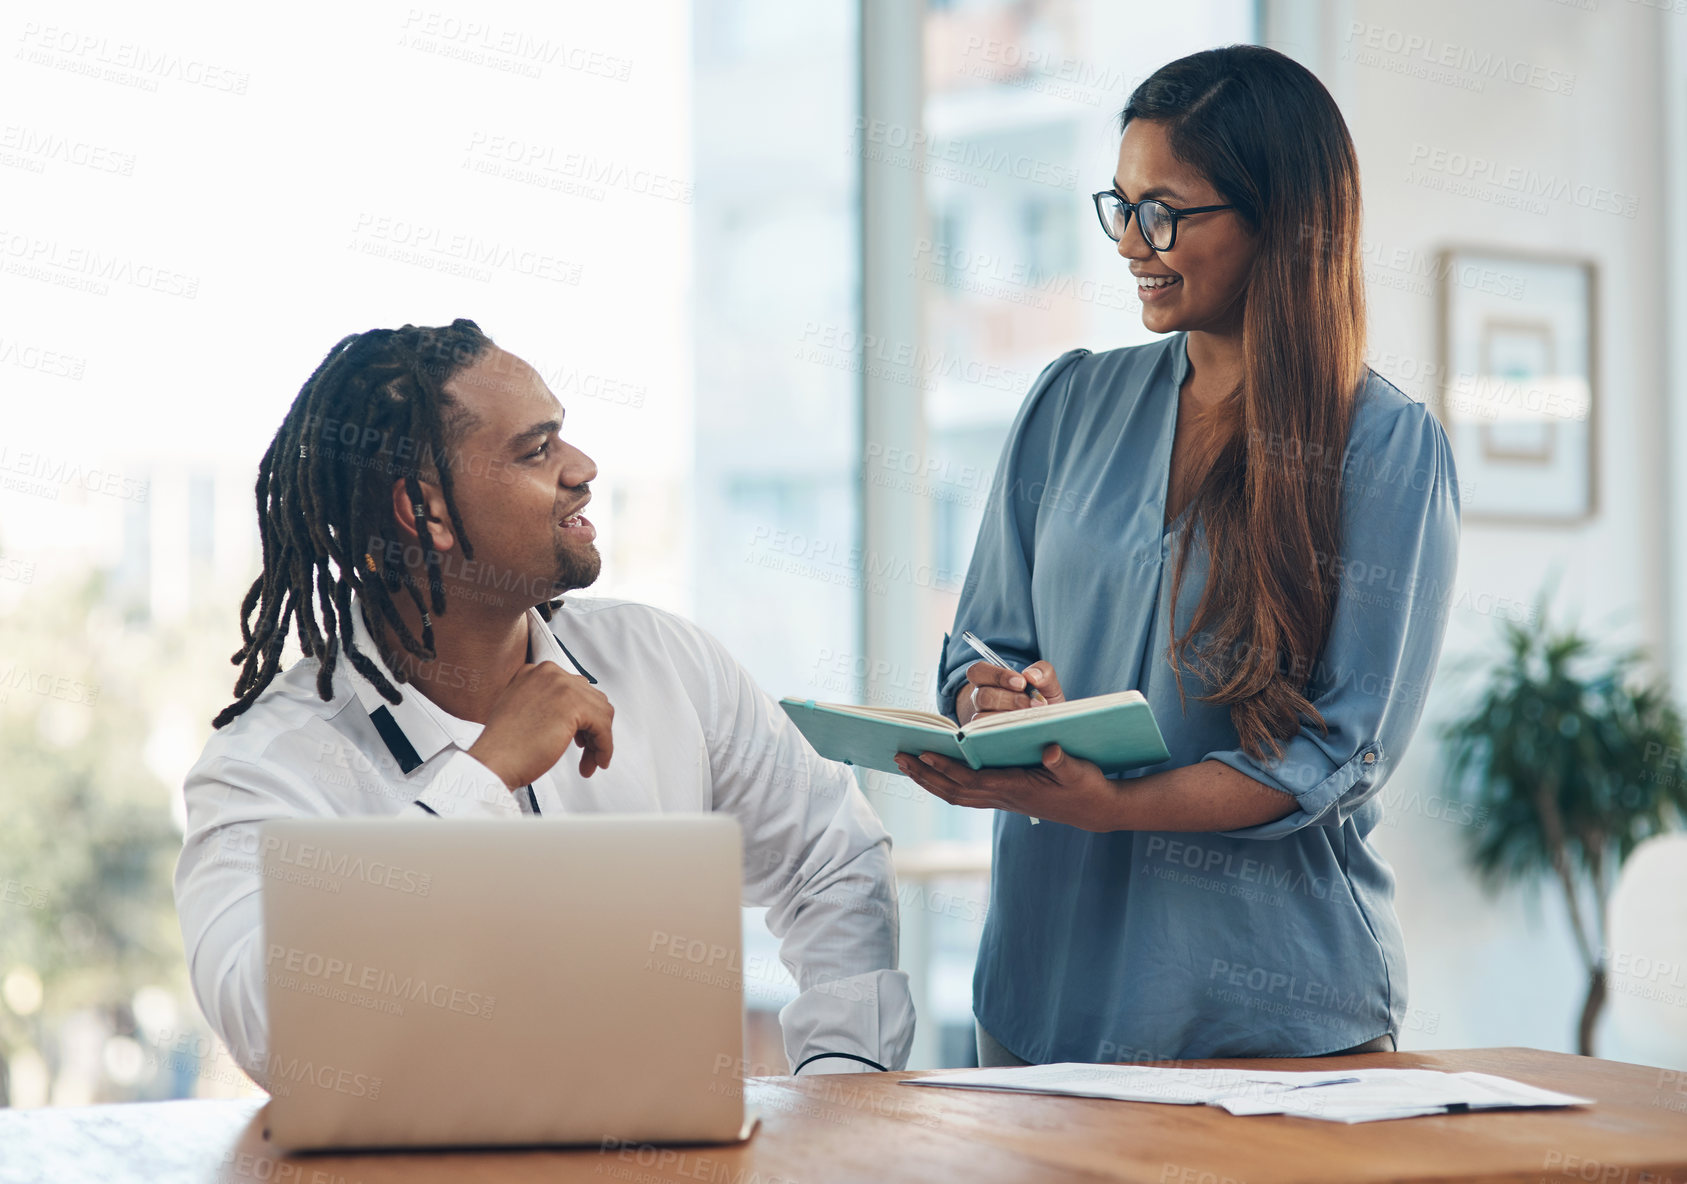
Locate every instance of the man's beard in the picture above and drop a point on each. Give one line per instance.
(576, 567)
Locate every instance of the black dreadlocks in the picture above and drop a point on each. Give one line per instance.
(374, 411)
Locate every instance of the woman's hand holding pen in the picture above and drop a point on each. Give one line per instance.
(993, 689)
(1065, 788)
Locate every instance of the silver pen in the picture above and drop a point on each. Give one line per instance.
(1309, 1085)
(995, 659)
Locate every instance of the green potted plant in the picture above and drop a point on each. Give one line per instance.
(1576, 758)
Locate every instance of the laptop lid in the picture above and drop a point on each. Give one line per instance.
(437, 982)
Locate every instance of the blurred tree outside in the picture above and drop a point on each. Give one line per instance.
(95, 702)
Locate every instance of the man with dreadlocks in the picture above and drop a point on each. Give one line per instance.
(421, 518)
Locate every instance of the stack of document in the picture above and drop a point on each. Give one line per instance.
(1334, 1095)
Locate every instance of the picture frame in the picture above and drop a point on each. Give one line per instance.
(1518, 394)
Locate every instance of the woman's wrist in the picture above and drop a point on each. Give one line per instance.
(1208, 795)
(1119, 814)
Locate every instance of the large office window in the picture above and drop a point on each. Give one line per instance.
(775, 291)
(183, 243)
(661, 208)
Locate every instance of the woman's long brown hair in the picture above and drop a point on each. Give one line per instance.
(1271, 140)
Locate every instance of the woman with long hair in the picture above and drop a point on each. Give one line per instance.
(1259, 533)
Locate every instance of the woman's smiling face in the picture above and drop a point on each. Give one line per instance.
(1201, 282)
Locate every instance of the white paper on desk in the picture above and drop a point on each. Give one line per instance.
(1400, 1093)
(1125, 1083)
(1377, 1094)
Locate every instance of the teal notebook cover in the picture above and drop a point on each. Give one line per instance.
(1119, 736)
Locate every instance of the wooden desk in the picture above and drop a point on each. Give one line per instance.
(821, 1129)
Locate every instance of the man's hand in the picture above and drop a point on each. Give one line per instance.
(536, 718)
(990, 688)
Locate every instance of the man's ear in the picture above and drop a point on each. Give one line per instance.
(433, 506)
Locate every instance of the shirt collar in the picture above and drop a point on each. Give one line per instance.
(1180, 361)
(416, 729)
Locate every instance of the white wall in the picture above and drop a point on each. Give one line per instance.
(1503, 971)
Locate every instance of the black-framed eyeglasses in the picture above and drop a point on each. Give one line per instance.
(1157, 220)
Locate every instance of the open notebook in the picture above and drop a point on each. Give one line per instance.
(1117, 732)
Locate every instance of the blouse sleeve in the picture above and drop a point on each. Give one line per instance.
(995, 598)
(1399, 554)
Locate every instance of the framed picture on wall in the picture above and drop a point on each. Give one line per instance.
(1518, 352)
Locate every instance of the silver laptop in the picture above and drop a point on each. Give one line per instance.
(475, 983)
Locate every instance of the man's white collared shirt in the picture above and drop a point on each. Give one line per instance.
(692, 733)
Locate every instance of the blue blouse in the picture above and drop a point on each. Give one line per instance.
(1272, 940)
